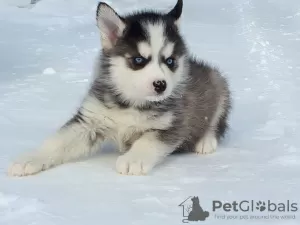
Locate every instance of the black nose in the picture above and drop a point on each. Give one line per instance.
(160, 86)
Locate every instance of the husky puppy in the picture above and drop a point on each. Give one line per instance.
(149, 95)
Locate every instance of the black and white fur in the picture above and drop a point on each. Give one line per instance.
(148, 94)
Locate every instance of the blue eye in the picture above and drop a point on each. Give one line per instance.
(170, 61)
(138, 60)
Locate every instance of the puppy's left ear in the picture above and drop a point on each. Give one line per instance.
(110, 24)
(176, 12)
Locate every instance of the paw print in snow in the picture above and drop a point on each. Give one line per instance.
(261, 206)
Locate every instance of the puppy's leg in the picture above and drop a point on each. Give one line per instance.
(207, 144)
(144, 154)
(73, 140)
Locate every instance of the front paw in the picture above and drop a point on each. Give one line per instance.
(28, 165)
(133, 163)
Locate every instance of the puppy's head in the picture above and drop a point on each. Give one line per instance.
(146, 54)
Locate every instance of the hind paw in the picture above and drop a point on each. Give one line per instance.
(207, 145)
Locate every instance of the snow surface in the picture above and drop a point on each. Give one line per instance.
(47, 53)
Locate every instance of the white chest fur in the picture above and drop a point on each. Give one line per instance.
(118, 124)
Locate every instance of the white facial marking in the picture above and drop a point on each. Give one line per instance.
(144, 49)
(167, 51)
(157, 39)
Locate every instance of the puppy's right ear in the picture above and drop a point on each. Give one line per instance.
(110, 24)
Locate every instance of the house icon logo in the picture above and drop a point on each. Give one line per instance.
(192, 210)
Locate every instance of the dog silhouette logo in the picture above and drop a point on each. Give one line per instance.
(192, 210)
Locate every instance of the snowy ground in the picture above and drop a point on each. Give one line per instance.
(46, 58)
